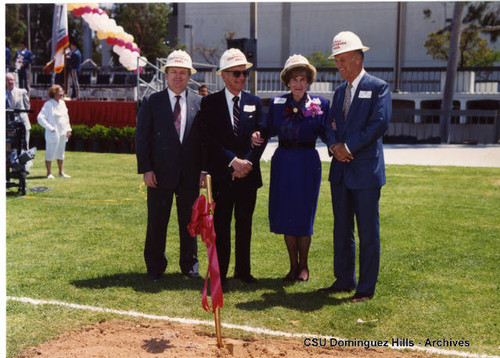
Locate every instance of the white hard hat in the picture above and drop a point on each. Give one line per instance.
(231, 58)
(297, 61)
(179, 58)
(346, 41)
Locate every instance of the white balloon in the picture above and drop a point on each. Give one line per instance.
(118, 49)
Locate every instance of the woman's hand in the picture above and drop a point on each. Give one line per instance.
(256, 139)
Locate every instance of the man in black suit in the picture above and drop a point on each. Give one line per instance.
(228, 119)
(168, 147)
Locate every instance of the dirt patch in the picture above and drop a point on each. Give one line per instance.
(123, 339)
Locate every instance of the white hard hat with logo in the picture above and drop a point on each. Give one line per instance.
(346, 41)
(179, 58)
(231, 58)
(297, 61)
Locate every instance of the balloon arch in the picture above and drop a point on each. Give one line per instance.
(107, 29)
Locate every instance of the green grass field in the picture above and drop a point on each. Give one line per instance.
(82, 242)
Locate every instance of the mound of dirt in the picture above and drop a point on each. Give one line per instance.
(124, 339)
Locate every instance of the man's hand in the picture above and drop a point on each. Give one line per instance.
(340, 153)
(241, 168)
(257, 140)
(150, 179)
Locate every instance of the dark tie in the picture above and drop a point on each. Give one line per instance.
(347, 100)
(177, 115)
(236, 115)
(8, 103)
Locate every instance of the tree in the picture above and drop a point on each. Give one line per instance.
(320, 59)
(148, 23)
(481, 17)
(212, 54)
(15, 24)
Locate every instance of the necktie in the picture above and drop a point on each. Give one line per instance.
(236, 115)
(8, 103)
(177, 115)
(347, 100)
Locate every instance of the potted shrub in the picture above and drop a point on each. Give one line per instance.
(98, 135)
(114, 134)
(37, 136)
(128, 138)
(80, 134)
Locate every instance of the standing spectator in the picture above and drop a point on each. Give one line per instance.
(17, 98)
(74, 60)
(54, 118)
(361, 109)
(168, 149)
(22, 61)
(203, 90)
(298, 119)
(228, 119)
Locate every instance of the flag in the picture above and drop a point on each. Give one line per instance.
(60, 39)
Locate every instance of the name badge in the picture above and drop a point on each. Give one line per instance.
(249, 108)
(365, 94)
(279, 100)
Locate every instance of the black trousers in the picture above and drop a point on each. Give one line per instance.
(241, 199)
(159, 208)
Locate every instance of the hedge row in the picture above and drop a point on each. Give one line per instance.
(97, 132)
(93, 139)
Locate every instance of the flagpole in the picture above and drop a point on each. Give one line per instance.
(218, 333)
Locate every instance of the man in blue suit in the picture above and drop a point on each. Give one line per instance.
(228, 118)
(168, 149)
(22, 61)
(361, 110)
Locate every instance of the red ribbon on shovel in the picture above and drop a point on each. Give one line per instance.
(202, 223)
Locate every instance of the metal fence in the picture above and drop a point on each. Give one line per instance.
(422, 126)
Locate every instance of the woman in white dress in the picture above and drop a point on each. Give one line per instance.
(54, 118)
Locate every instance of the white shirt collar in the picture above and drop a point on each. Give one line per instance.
(356, 81)
(172, 94)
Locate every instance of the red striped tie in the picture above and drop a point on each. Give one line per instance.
(177, 115)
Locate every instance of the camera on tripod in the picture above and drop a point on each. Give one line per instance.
(18, 156)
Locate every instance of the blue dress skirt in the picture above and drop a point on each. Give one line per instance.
(296, 166)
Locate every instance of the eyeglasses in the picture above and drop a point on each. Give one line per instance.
(237, 74)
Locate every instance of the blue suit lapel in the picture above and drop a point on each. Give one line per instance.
(355, 100)
(190, 114)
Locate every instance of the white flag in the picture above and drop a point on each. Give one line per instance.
(60, 37)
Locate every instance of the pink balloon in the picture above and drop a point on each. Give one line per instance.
(129, 45)
(111, 41)
(87, 10)
(136, 49)
(78, 12)
(120, 42)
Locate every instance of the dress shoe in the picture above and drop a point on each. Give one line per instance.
(192, 275)
(334, 289)
(154, 277)
(360, 297)
(247, 279)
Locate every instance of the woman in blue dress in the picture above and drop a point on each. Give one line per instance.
(298, 119)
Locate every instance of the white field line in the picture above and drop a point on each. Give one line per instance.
(232, 326)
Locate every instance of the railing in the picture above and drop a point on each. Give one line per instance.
(412, 126)
(412, 80)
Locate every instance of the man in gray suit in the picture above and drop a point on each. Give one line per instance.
(17, 98)
(168, 151)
